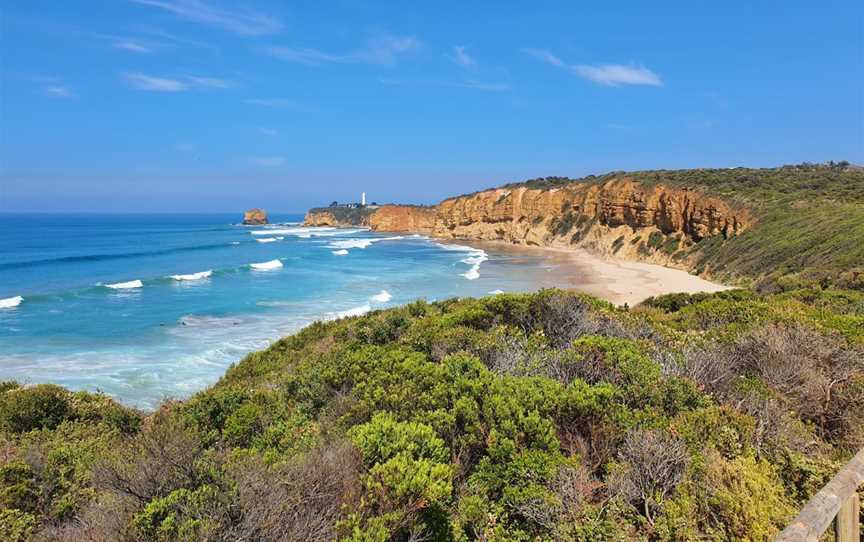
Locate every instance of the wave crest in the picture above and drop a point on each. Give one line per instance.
(381, 297)
(125, 285)
(265, 266)
(11, 302)
(193, 276)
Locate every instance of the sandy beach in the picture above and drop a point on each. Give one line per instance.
(617, 281)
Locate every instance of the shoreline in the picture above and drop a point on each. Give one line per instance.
(615, 280)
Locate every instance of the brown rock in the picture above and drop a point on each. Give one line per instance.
(255, 217)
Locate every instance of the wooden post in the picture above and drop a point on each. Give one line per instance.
(835, 503)
(846, 523)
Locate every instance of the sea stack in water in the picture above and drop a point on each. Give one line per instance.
(255, 217)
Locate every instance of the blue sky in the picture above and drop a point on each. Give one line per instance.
(217, 105)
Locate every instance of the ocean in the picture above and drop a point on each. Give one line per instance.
(153, 307)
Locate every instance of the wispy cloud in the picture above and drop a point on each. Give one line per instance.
(383, 49)
(462, 58)
(268, 131)
(617, 74)
(134, 46)
(141, 81)
(604, 74)
(209, 82)
(545, 56)
(243, 22)
(155, 84)
(270, 161)
(469, 84)
(59, 91)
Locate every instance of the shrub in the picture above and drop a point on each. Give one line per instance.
(25, 409)
(651, 465)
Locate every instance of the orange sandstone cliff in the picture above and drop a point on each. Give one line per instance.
(619, 217)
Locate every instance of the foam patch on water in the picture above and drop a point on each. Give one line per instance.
(125, 285)
(265, 266)
(340, 252)
(11, 302)
(193, 276)
(361, 243)
(359, 310)
(308, 232)
(381, 297)
(475, 259)
(267, 240)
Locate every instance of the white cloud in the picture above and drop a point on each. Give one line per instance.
(133, 46)
(545, 56)
(209, 82)
(617, 74)
(187, 82)
(605, 74)
(58, 91)
(303, 56)
(462, 58)
(268, 131)
(469, 84)
(270, 161)
(384, 49)
(243, 22)
(155, 84)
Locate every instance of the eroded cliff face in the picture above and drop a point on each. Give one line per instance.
(621, 217)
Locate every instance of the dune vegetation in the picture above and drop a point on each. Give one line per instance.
(545, 416)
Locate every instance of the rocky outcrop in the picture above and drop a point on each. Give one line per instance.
(255, 217)
(341, 217)
(619, 217)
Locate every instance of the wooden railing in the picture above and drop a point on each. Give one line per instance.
(837, 502)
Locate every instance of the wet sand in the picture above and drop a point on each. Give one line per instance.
(617, 281)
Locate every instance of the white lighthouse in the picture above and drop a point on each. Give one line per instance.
(363, 199)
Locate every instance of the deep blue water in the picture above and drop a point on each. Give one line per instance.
(168, 337)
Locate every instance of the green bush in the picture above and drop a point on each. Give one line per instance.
(41, 407)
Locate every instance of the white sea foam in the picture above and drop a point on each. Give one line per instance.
(11, 302)
(193, 276)
(355, 311)
(267, 240)
(235, 242)
(340, 252)
(475, 258)
(381, 297)
(361, 243)
(351, 243)
(265, 266)
(125, 285)
(307, 232)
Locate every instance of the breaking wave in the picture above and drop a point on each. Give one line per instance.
(193, 276)
(265, 266)
(381, 297)
(125, 285)
(11, 302)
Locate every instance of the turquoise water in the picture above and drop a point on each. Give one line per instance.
(149, 307)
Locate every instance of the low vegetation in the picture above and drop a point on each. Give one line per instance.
(546, 416)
